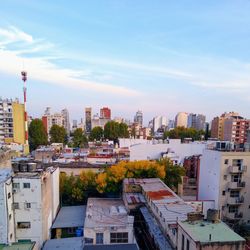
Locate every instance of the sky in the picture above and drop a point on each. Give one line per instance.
(161, 57)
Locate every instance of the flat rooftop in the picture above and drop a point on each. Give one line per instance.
(72, 216)
(74, 243)
(18, 246)
(106, 212)
(111, 247)
(5, 174)
(200, 231)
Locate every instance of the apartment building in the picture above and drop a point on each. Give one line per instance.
(105, 113)
(88, 118)
(107, 222)
(196, 121)
(12, 125)
(60, 119)
(224, 177)
(181, 119)
(7, 226)
(35, 201)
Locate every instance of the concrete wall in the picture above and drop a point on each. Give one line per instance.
(55, 193)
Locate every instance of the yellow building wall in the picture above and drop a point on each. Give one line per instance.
(18, 123)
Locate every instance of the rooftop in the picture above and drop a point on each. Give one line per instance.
(74, 243)
(72, 216)
(200, 231)
(111, 247)
(18, 246)
(106, 212)
(5, 174)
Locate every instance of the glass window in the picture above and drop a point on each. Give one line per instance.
(233, 209)
(99, 238)
(234, 193)
(119, 237)
(187, 246)
(226, 161)
(28, 205)
(26, 185)
(16, 185)
(16, 205)
(223, 192)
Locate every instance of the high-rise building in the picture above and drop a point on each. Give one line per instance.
(138, 118)
(217, 125)
(196, 121)
(105, 113)
(12, 121)
(60, 119)
(159, 122)
(181, 119)
(66, 123)
(88, 117)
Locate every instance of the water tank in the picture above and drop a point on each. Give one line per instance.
(31, 167)
(15, 167)
(23, 167)
(212, 215)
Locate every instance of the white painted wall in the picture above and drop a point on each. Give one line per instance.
(209, 176)
(55, 193)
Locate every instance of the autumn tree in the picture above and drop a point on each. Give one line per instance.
(37, 134)
(96, 134)
(79, 139)
(111, 179)
(58, 134)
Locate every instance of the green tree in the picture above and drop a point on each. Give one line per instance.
(173, 172)
(96, 134)
(182, 133)
(58, 134)
(37, 134)
(79, 139)
(114, 130)
(123, 130)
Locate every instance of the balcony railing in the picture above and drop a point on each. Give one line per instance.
(234, 216)
(236, 185)
(235, 200)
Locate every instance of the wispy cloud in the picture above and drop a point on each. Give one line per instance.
(41, 68)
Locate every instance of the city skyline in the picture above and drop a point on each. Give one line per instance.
(129, 57)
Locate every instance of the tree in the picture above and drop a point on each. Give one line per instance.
(58, 134)
(96, 134)
(123, 130)
(37, 134)
(182, 133)
(79, 139)
(173, 172)
(114, 130)
(111, 179)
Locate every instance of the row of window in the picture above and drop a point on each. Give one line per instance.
(233, 193)
(25, 185)
(114, 238)
(16, 205)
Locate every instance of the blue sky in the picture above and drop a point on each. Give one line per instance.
(160, 57)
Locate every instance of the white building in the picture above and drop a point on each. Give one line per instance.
(7, 226)
(225, 178)
(36, 202)
(107, 222)
(181, 119)
(66, 123)
(159, 122)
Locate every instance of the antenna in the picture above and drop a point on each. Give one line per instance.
(24, 78)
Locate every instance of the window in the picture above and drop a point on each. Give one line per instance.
(9, 195)
(223, 192)
(88, 240)
(27, 205)
(21, 225)
(16, 185)
(26, 185)
(187, 246)
(233, 209)
(16, 205)
(99, 238)
(236, 178)
(234, 193)
(9, 216)
(182, 242)
(226, 161)
(118, 237)
(225, 177)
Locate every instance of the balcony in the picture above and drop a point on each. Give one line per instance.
(235, 200)
(234, 216)
(237, 169)
(236, 185)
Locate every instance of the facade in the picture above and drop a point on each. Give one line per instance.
(235, 129)
(196, 121)
(224, 177)
(105, 113)
(217, 125)
(12, 121)
(88, 117)
(35, 201)
(139, 118)
(208, 235)
(7, 226)
(107, 222)
(60, 119)
(159, 122)
(181, 119)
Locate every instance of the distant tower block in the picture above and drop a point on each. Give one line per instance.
(24, 78)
